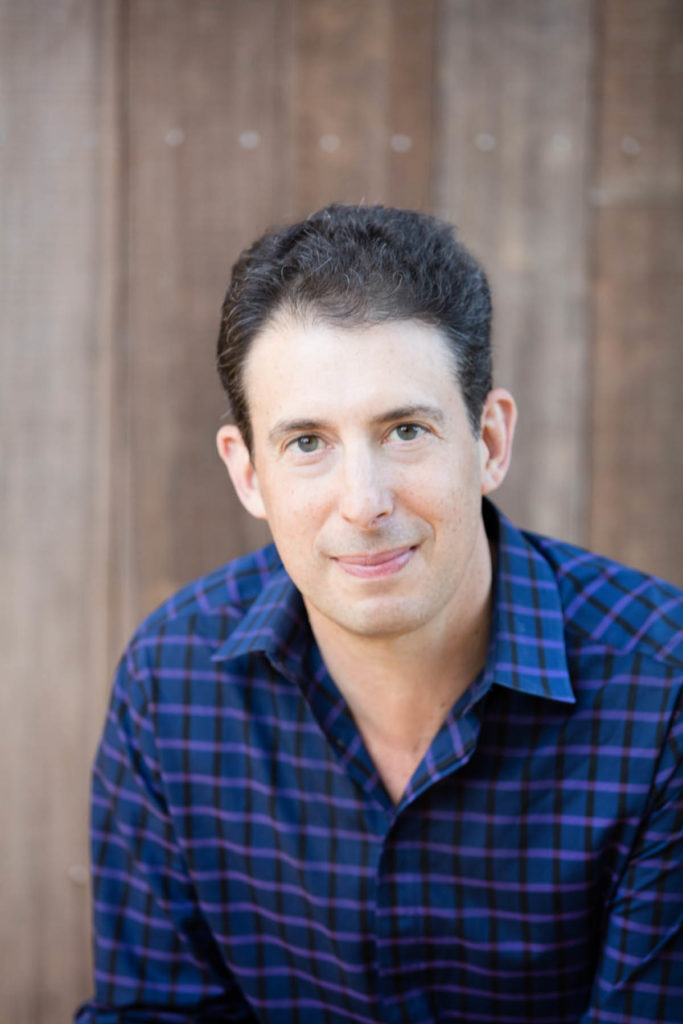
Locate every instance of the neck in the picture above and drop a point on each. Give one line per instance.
(400, 689)
(399, 677)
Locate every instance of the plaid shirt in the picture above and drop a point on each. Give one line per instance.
(249, 866)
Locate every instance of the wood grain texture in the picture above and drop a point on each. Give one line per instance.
(412, 70)
(513, 124)
(637, 486)
(54, 306)
(363, 98)
(202, 82)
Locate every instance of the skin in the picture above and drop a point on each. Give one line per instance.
(365, 466)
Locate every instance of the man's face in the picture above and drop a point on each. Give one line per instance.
(367, 471)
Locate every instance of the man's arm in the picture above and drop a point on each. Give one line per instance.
(155, 957)
(640, 973)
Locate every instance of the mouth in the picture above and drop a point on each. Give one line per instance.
(377, 565)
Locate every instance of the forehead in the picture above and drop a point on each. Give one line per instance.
(330, 366)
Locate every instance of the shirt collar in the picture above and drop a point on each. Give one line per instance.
(527, 646)
(526, 649)
(276, 624)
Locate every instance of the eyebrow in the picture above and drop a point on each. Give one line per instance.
(284, 427)
(309, 426)
(407, 412)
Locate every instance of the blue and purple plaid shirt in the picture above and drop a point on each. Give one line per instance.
(249, 866)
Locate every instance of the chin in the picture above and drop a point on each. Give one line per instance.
(377, 622)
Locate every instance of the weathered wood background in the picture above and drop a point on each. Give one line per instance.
(142, 144)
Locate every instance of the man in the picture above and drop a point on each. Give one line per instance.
(409, 764)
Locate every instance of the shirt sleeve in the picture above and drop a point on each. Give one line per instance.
(640, 972)
(155, 958)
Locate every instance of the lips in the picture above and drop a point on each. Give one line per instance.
(376, 565)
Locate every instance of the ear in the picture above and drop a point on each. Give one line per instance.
(235, 454)
(498, 420)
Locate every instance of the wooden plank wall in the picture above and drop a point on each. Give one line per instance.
(56, 354)
(637, 194)
(142, 144)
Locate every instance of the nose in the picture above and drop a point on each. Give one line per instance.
(365, 494)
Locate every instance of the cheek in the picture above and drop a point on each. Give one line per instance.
(293, 512)
(446, 494)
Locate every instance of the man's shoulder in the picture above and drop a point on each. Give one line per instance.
(609, 604)
(212, 606)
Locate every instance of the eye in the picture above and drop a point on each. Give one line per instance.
(306, 443)
(408, 431)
